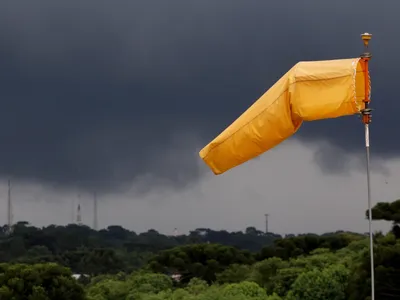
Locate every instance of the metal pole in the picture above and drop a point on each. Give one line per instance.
(366, 117)
(371, 238)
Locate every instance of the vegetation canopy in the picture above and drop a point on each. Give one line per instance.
(75, 262)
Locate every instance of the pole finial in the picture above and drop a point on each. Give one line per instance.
(366, 37)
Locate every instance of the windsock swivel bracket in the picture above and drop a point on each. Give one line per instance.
(366, 112)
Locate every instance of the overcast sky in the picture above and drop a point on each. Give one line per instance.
(119, 97)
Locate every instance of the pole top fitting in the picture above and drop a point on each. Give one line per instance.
(366, 37)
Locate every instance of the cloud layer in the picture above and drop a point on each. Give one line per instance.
(97, 94)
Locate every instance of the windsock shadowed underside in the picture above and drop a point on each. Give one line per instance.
(309, 91)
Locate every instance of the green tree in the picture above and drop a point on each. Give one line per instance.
(202, 261)
(108, 289)
(39, 281)
(245, 288)
(234, 273)
(327, 284)
(387, 271)
(150, 282)
(196, 286)
(388, 212)
(265, 272)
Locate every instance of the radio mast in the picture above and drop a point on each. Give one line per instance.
(95, 216)
(78, 212)
(9, 208)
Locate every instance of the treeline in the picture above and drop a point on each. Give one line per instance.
(116, 249)
(62, 238)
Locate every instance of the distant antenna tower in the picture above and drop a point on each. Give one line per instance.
(9, 208)
(73, 211)
(95, 216)
(266, 223)
(78, 215)
(78, 212)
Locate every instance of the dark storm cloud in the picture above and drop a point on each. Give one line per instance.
(100, 92)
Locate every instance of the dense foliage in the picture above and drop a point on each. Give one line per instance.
(117, 264)
(110, 250)
(39, 281)
(323, 274)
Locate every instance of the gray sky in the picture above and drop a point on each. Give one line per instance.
(284, 182)
(120, 96)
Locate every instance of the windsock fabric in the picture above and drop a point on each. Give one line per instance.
(310, 91)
